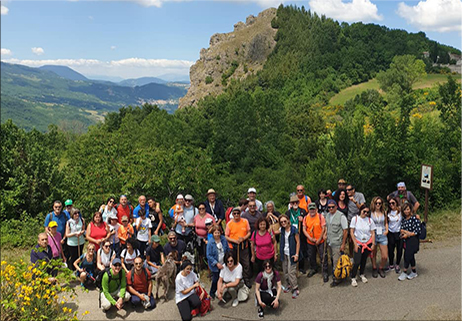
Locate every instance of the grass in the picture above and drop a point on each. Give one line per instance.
(349, 93)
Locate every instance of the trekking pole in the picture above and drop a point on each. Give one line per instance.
(78, 244)
(324, 257)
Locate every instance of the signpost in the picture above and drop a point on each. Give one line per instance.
(426, 182)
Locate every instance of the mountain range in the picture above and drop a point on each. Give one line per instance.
(36, 97)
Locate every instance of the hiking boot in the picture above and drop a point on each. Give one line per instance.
(311, 273)
(363, 278)
(295, 294)
(381, 273)
(412, 275)
(334, 283)
(397, 269)
(325, 277)
(235, 302)
(354, 282)
(402, 276)
(261, 314)
(374, 273)
(286, 289)
(302, 271)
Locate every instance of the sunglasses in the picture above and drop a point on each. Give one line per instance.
(230, 261)
(172, 238)
(201, 208)
(139, 263)
(330, 207)
(118, 265)
(111, 201)
(106, 246)
(392, 203)
(283, 221)
(293, 202)
(366, 212)
(188, 200)
(299, 190)
(378, 203)
(268, 266)
(252, 206)
(349, 189)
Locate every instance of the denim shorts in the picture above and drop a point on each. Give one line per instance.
(381, 239)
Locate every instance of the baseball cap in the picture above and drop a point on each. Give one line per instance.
(237, 209)
(252, 190)
(312, 206)
(341, 181)
(116, 261)
(52, 224)
(155, 238)
(331, 202)
(124, 218)
(180, 197)
(208, 220)
(188, 197)
(401, 184)
(68, 202)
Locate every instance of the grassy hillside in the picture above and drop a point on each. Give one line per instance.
(348, 93)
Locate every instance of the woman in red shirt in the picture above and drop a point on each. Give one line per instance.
(97, 231)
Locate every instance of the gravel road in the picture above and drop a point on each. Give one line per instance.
(434, 295)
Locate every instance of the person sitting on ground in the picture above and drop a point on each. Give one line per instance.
(108, 209)
(230, 279)
(155, 256)
(114, 287)
(186, 298)
(140, 286)
(410, 230)
(55, 241)
(125, 232)
(104, 256)
(268, 288)
(263, 244)
(42, 252)
(289, 249)
(129, 254)
(362, 231)
(217, 247)
(85, 266)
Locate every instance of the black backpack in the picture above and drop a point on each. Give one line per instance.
(99, 280)
(132, 275)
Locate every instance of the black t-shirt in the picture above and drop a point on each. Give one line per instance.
(154, 253)
(180, 247)
(154, 216)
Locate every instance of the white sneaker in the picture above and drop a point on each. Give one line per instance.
(402, 276)
(235, 302)
(363, 278)
(354, 283)
(412, 276)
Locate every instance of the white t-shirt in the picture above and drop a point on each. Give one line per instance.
(286, 244)
(105, 212)
(114, 238)
(221, 252)
(129, 258)
(182, 283)
(363, 228)
(143, 230)
(230, 276)
(394, 221)
(105, 258)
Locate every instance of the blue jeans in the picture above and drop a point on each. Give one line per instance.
(137, 301)
(213, 288)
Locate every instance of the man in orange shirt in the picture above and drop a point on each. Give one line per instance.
(314, 228)
(237, 234)
(303, 199)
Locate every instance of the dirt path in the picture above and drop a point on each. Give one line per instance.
(434, 295)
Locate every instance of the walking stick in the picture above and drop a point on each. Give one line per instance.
(238, 246)
(324, 257)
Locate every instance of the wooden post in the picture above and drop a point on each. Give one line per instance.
(426, 206)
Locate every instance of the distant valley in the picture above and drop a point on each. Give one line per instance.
(38, 97)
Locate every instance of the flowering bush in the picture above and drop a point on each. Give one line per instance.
(29, 293)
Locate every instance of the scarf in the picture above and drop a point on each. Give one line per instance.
(294, 216)
(269, 277)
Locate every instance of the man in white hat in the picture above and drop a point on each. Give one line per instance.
(404, 196)
(214, 206)
(252, 196)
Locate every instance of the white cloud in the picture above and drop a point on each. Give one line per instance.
(4, 10)
(113, 47)
(6, 52)
(433, 15)
(356, 10)
(38, 51)
(125, 68)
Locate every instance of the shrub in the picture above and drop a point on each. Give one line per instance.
(21, 232)
(208, 80)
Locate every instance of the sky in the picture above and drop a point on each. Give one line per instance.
(151, 38)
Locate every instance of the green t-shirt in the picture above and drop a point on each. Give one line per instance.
(118, 281)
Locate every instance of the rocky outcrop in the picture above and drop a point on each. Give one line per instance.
(233, 55)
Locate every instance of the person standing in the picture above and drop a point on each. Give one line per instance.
(252, 215)
(108, 209)
(55, 241)
(337, 231)
(404, 196)
(395, 242)
(75, 228)
(97, 230)
(314, 228)
(362, 231)
(341, 198)
(143, 226)
(185, 222)
(296, 215)
(321, 202)
(61, 218)
(410, 230)
(217, 247)
(252, 196)
(156, 216)
(355, 201)
(214, 206)
(141, 205)
(303, 200)
(237, 234)
(379, 217)
(123, 208)
(263, 244)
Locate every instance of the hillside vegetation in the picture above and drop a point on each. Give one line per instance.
(273, 130)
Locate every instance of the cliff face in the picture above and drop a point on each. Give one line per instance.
(233, 55)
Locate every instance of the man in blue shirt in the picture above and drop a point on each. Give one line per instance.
(141, 204)
(61, 218)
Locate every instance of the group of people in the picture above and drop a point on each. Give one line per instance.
(124, 250)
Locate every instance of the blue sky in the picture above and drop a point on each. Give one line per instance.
(131, 39)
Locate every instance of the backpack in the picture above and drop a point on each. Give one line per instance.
(343, 267)
(423, 231)
(129, 206)
(132, 275)
(99, 279)
(229, 210)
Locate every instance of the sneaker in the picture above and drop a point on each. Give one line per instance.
(286, 289)
(325, 277)
(295, 294)
(381, 273)
(375, 274)
(402, 276)
(311, 273)
(261, 315)
(235, 302)
(386, 269)
(334, 283)
(412, 275)
(363, 278)
(397, 269)
(354, 282)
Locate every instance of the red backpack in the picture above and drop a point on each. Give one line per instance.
(229, 210)
(205, 306)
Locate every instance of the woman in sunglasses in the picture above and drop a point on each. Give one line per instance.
(268, 288)
(230, 279)
(362, 231)
(381, 223)
(394, 241)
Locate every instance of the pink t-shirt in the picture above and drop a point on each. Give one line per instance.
(201, 230)
(55, 244)
(264, 246)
